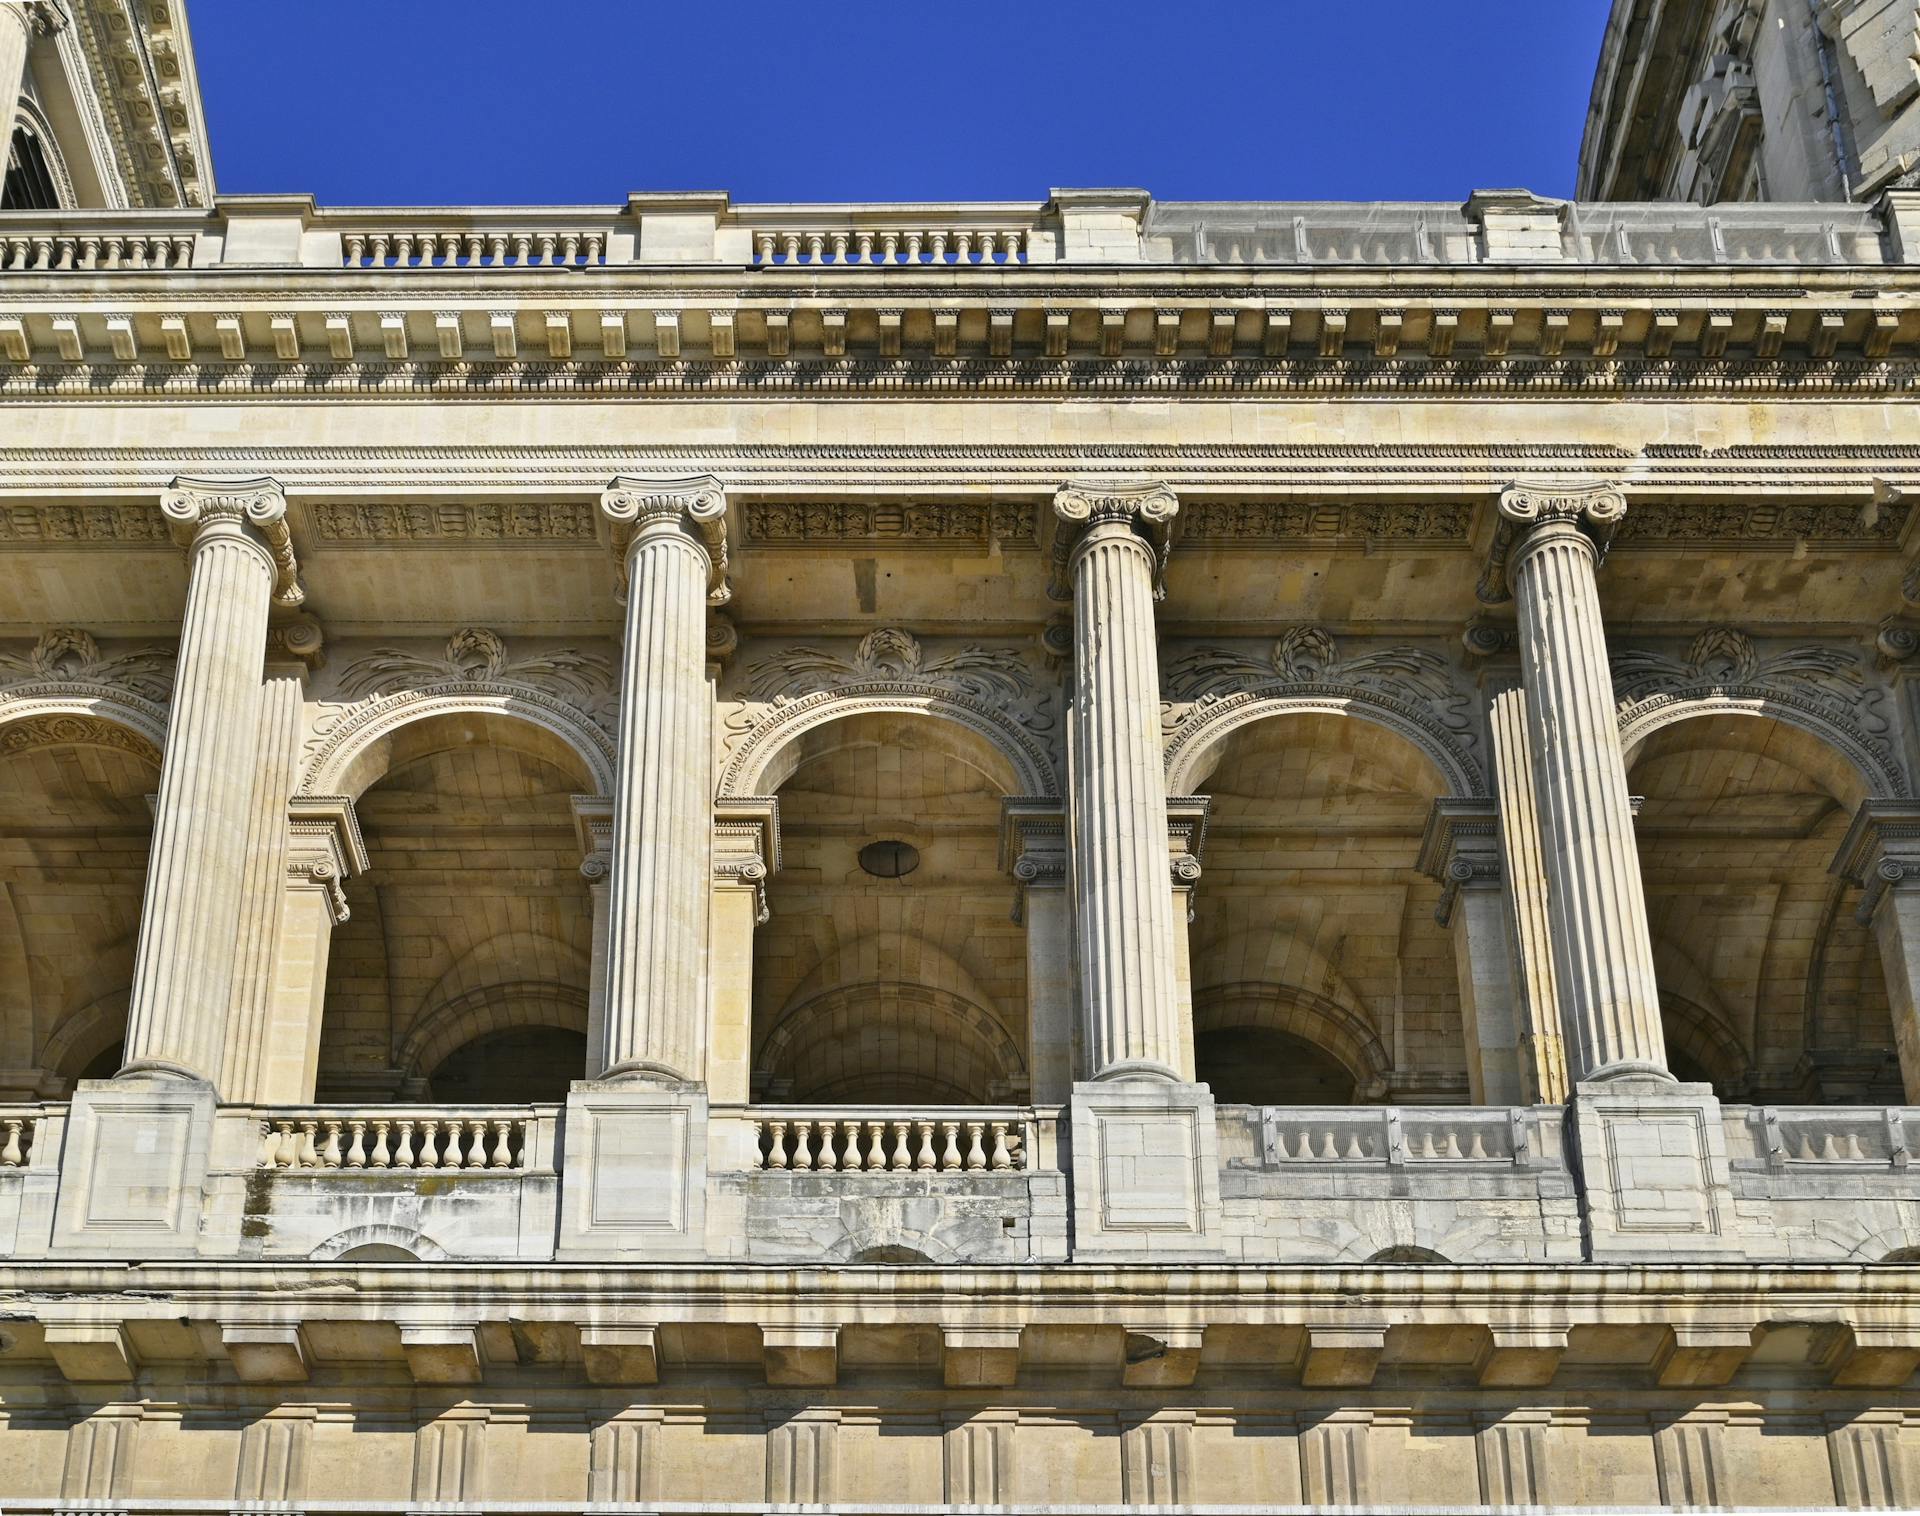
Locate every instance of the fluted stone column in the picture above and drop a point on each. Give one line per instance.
(1118, 800)
(184, 971)
(670, 535)
(1597, 913)
(20, 22)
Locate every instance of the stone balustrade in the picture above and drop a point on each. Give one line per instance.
(438, 240)
(403, 1138)
(20, 1128)
(1791, 1137)
(1395, 1137)
(945, 1142)
(37, 249)
(952, 240)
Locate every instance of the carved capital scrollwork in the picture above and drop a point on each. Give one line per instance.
(746, 846)
(696, 505)
(1880, 853)
(1461, 850)
(1033, 846)
(1148, 508)
(194, 506)
(1594, 510)
(324, 847)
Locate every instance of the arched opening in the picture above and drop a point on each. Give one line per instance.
(75, 829)
(1770, 989)
(1314, 949)
(890, 970)
(462, 972)
(30, 183)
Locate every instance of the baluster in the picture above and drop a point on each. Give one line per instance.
(450, 1156)
(403, 250)
(816, 246)
(1829, 1149)
(763, 247)
(309, 1155)
(403, 1145)
(450, 250)
(949, 1146)
(923, 1153)
(850, 1159)
(777, 1145)
(1280, 1150)
(356, 1149)
(497, 248)
(839, 247)
(430, 1144)
(545, 246)
(522, 247)
(377, 248)
(1426, 1146)
(1354, 1149)
(269, 1145)
(1854, 1150)
(963, 246)
(863, 247)
(43, 252)
(356, 246)
(1479, 1148)
(476, 1144)
(10, 1154)
(69, 253)
(915, 240)
(502, 1145)
(330, 1153)
(829, 1157)
(1452, 1149)
(136, 252)
(1001, 1157)
(803, 1144)
(474, 248)
(937, 247)
(976, 1153)
(570, 247)
(900, 1132)
(876, 1157)
(595, 243)
(381, 1157)
(889, 246)
(288, 1150)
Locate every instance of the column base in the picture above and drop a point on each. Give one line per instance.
(135, 1166)
(634, 1172)
(1146, 1172)
(1651, 1160)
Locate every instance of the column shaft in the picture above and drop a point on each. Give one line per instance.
(1543, 1066)
(1602, 953)
(1118, 801)
(16, 41)
(654, 1022)
(184, 968)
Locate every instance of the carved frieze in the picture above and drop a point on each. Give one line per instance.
(939, 524)
(1251, 523)
(544, 521)
(1660, 523)
(1821, 687)
(64, 525)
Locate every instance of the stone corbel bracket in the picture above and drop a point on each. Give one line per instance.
(324, 846)
(1187, 843)
(1880, 852)
(188, 504)
(1033, 846)
(1148, 506)
(1460, 849)
(700, 500)
(1596, 509)
(746, 845)
(301, 638)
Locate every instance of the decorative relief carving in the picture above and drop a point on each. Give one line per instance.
(994, 691)
(522, 521)
(945, 523)
(63, 525)
(1821, 689)
(34, 732)
(1233, 523)
(1680, 522)
(70, 658)
(1210, 690)
(572, 693)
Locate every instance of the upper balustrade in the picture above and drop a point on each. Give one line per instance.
(1072, 227)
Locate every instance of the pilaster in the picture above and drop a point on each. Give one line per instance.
(746, 852)
(323, 848)
(1033, 849)
(593, 824)
(1881, 855)
(1461, 850)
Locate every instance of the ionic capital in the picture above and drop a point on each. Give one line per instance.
(41, 18)
(593, 825)
(257, 508)
(1146, 508)
(746, 845)
(1880, 853)
(1531, 513)
(1186, 838)
(324, 847)
(1033, 843)
(695, 506)
(1461, 849)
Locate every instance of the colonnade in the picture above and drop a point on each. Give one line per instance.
(657, 875)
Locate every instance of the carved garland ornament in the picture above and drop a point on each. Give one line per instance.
(1212, 690)
(990, 691)
(1821, 690)
(571, 694)
(65, 680)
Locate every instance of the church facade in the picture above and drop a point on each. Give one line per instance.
(1091, 852)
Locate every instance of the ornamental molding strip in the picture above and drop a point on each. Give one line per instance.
(1821, 689)
(571, 694)
(1212, 690)
(994, 692)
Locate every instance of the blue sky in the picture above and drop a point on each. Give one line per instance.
(538, 101)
